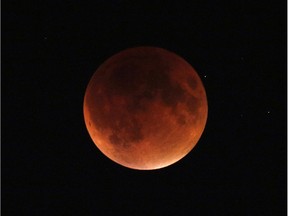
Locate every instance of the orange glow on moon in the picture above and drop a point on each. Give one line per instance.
(145, 108)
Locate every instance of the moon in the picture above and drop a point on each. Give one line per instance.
(145, 108)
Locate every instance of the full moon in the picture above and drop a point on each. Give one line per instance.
(145, 108)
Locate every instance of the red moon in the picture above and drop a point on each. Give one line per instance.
(145, 108)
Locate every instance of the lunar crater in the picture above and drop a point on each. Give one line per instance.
(125, 131)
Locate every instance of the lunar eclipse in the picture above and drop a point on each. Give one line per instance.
(145, 108)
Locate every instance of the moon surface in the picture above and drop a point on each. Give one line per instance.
(145, 108)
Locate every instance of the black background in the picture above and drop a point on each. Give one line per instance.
(50, 49)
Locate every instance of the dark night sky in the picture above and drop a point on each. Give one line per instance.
(50, 50)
